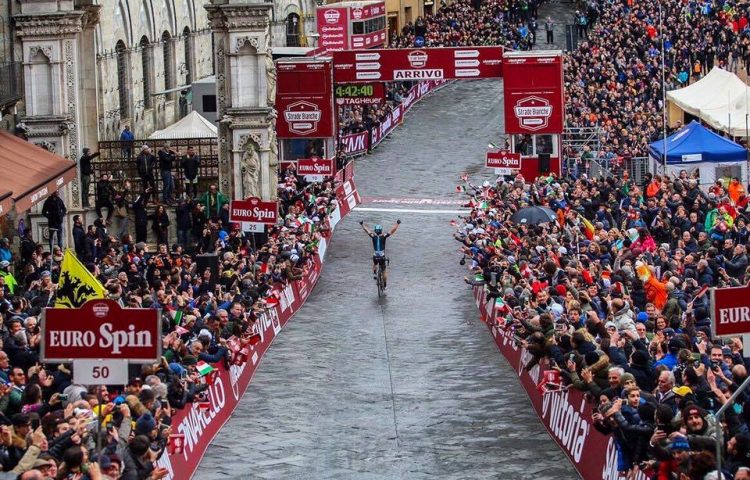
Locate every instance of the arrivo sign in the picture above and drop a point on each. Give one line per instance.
(315, 166)
(730, 311)
(101, 329)
(417, 64)
(253, 210)
(503, 159)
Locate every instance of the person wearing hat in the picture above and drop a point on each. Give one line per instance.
(700, 429)
(86, 170)
(145, 164)
(8, 280)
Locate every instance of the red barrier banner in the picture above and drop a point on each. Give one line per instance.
(386, 65)
(200, 425)
(564, 412)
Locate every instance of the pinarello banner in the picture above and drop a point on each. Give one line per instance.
(503, 159)
(333, 28)
(315, 166)
(254, 210)
(730, 311)
(534, 92)
(355, 143)
(565, 413)
(304, 98)
(386, 65)
(200, 425)
(101, 329)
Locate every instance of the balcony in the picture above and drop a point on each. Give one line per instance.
(11, 83)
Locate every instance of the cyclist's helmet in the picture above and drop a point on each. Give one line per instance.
(378, 229)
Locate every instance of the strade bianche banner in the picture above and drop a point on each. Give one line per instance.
(565, 414)
(200, 425)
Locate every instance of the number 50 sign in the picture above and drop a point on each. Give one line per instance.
(100, 372)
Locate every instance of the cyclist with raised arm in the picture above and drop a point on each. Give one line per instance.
(378, 243)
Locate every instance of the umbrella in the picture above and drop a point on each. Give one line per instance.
(534, 216)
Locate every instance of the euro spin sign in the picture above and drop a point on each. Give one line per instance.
(730, 311)
(253, 210)
(315, 166)
(387, 65)
(101, 329)
(503, 159)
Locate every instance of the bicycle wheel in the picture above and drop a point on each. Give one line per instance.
(380, 281)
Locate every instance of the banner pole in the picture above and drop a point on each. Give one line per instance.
(717, 418)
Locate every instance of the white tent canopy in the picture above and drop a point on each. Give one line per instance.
(719, 99)
(192, 126)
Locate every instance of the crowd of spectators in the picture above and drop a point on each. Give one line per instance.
(612, 294)
(49, 425)
(613, 78)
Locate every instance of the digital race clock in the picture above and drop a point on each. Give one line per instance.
(360, 90)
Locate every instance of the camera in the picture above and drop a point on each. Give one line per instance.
(715, 364)
(603, 409)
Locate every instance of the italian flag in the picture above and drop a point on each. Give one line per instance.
(460, 189)
(204, 368)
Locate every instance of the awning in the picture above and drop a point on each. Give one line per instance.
(6, 202)
(31, 173)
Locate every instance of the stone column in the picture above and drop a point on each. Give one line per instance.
(246, 90)
(50, 32)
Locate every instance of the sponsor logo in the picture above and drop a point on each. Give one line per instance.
(417, 58)
(332, 29)
(355, 143)
(100, 310)
(302, 117)
(40, 194)
(197, 420)
(357, 13)
(565, 422)
(533, 112)
(332, 16)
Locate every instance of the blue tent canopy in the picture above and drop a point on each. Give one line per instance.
(694, 143)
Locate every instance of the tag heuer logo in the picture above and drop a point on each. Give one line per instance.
(302, 117)
(533, 113)
(332, 16)
(417, 58)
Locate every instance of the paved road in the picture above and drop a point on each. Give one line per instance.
(410, 387)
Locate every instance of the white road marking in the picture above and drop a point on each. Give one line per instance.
(411, 210)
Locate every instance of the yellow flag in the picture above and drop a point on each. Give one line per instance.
(76, 285)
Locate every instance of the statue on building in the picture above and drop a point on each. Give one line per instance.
(270, 79)
(250, 169)
(273, 160)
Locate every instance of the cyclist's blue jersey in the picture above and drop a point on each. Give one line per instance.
(378, 243)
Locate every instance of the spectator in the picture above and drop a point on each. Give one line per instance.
(214, 201)
(127, 138)
(86, 170)
(105, 192)
(161, 224)
(166, 163)
(54, 211)
(190, 164)
(145, 164)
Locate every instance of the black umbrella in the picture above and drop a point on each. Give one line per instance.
(533, 216)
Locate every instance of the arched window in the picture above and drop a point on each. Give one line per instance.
(147, 70)
(188, 55)
(41, 75)
(123, 86)
(293, 27)
(168, 55)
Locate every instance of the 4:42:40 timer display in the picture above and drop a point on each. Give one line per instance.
(364, 90)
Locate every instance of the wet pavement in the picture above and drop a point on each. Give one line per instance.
(410, 386)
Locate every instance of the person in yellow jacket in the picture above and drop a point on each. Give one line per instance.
(8, 279)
